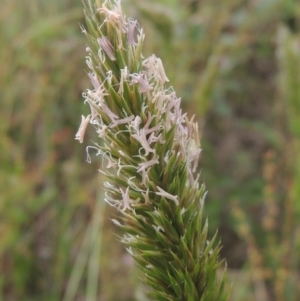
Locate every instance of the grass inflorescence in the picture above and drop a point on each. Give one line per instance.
(152, 150)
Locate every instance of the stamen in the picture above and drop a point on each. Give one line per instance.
(121, 121)
(141, 137)
(132, 25)
(81, 131)
(107, 47)
(143, 82)
(124, 73)
(94, 80)
(145, 165)
(167, 195)
(126, 199)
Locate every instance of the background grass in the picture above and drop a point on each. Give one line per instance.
(236, 65)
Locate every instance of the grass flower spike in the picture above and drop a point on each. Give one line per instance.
(152, 151)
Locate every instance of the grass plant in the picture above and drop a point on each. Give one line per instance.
(235, 64)
(153, 150)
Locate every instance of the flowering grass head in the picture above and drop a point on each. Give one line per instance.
(152, 151)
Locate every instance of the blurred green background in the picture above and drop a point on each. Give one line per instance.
(236, 65)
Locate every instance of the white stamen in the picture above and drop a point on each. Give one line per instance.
(161, 70)
(141, 138)
(121, 121)
(126, 199)
(124, 73)
(81, 131)
(145, 165)
(167, 195)
(146, 197)
(132, 25)
(107, 47)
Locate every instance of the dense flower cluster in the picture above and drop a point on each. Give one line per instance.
(151, 117)
(150, 152)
